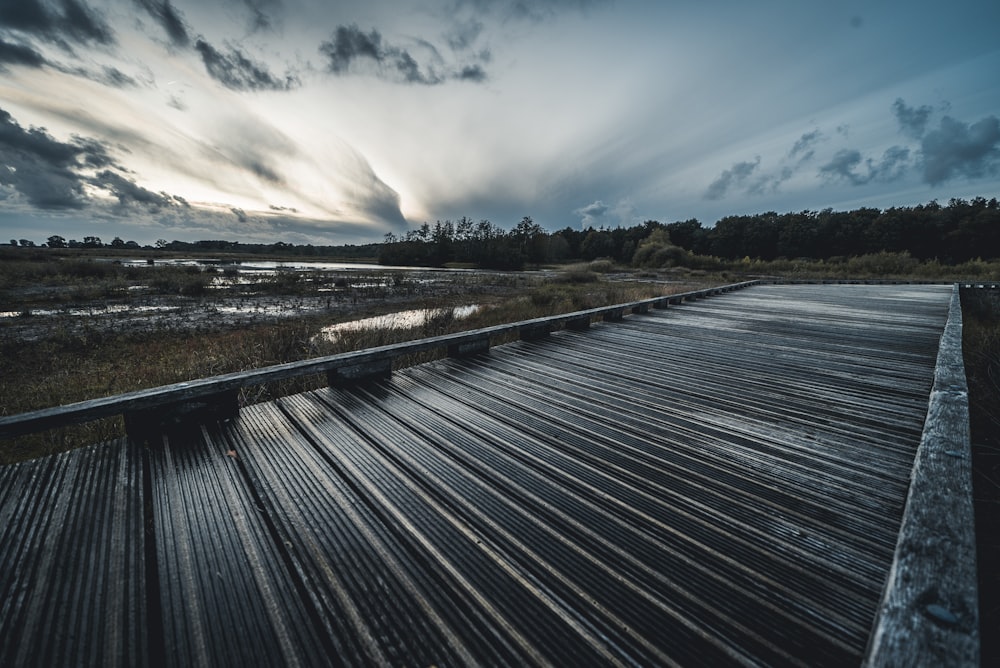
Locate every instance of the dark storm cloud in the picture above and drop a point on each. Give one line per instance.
(912, 120)
(349, 45)
(112, 76)
(382, 202)
(894, 164)
(19, 54)
(170, 19)
(52, 174)
(803, 147)
(850, 166)
(92, 153)
(366, 192)
(108, 76)
(750, 179)
(236, 71)
(958, 149)
(734, 176)
(376, 198)
(240, 214)
(130, 193)
(57, 21)
(474, 73)
(46, 171)
(349, 49)
(84, 24)
(536, 10)
(25, 56)
(842, 166)
(262, 170)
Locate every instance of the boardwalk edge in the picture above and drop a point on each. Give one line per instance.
(930, 610)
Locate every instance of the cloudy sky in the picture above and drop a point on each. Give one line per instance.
(321, 121)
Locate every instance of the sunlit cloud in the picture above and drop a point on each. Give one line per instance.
(328, 120)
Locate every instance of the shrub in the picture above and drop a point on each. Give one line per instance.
(602, 266)
(882, 264)
(180, 281)
(577, 275)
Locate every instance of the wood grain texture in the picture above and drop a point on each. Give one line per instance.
(929, 614)
(184, 393)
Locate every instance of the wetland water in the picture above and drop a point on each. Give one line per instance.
(408, 319)
(236, 294)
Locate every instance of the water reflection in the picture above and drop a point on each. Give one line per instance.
(271, 267)
(399, 320)
(104, 309)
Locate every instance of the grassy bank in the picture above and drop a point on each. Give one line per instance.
(73, 363)
(885, 265)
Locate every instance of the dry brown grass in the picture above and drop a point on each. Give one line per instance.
(70, 364)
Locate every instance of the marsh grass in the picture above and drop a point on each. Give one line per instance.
(981, 350)
(47, 279)
(883, 265)
(26, 283)
(73, 364)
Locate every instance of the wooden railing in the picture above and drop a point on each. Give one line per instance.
(930, 605)
(146, 411)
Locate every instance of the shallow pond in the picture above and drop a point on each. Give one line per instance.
(270, 267)
(409, 319)
(106, 309)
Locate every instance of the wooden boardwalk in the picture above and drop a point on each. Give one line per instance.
(721, 482)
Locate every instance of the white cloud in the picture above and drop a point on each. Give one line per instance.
(646, 106)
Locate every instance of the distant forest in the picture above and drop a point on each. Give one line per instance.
(959, 232)
(952, 234)
(279, 248)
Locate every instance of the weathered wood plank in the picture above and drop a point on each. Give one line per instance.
(592, 499)
(930, 611)
(144, 423)
(365, 371)
(471, 347)
(73, 588)
(188, 391)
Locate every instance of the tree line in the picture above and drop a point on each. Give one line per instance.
(954, 233)
(278, 248)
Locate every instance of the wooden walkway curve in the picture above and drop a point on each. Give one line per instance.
(720, 482)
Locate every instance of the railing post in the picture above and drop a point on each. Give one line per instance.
(356, 373)
(141, 423)
(221, 393)
(534, 331)
(480, 344)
